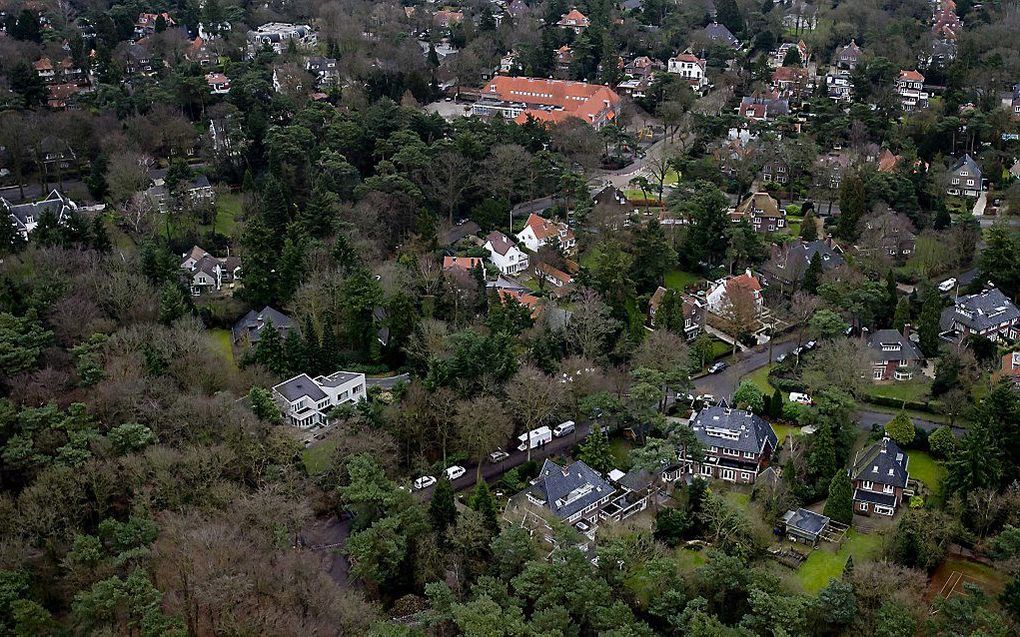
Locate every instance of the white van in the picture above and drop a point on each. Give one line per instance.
(534, 438)
(563, 429)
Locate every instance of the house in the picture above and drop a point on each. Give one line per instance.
(778, 57)
(140, 62)
(466, 264)
(839, 85)
(200, 53)
(574, 20)
(719, 294)
(763, 106)
(207, 273)
(60, 95)
(547, 100)
(690, 67)
(249, 329)
(887, 161)
(762, 212)
(774, 171)
(524, 297)
(1011, 101)
(965, 178)
(553, 275)
(504, 254)
(848, 57)
(279, 35)
(879, 477)
(1010, 367)
(306, 402)
(910, 88)
(887, 236)
(793, 82)
(738, 444)
(145, 25)
(988, 313)
(457, 233)
(219, 84)
(198, 192)
(326, 71)
(518, 8)
(800, 16)
(718, 34)
(442, 19)
(25, 216)
(571, 493)
(790, 261)
(693, 309)
(538, 232)
(802, 525)
(893, 355)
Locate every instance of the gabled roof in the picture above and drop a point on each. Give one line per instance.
(573, 17)
(966, 162)
(720, 34)
(499, 242)
(55, 202)
(567, 490)
(878, 341)
(733, 429)
(545, 229)
(461, 263)
(580, 99)
(301, 386)
(252, 323)
(761, 204)
(883, 463)
(887, 161)
(981, 311)
(911, 76)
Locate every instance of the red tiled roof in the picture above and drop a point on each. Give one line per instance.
(43, 64)
(573, 17)
(887, 161)
(911, 76)
(555, 273)
(744, 281)
(461, 263)
(583, 100)
(545, 229)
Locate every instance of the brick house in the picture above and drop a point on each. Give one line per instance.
(546, 100)
(879, 477)
(693, 307)
(762, 212)
(893, 356)
(738, 444)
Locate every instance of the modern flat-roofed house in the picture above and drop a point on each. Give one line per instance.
(305, 401)
(25, 216)
(988, 313)
(738, 444)
(545, 100)
(879, 476)
(802, 525)
(278, 36)
(504, 254)
(965, 178)
(893, 356)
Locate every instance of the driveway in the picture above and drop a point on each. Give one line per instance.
(387, 382)
(979, 205)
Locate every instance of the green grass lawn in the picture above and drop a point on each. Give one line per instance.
(926, 469)
(620, 448)
(316, 458)
(228, 208)
(678, 279)
(672, 178)
(760, 378)
(782, 431)
(824, 563)
(915, 390)
(221, 340)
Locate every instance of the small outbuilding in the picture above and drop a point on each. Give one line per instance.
(804, 526)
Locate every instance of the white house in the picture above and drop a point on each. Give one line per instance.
(305, 401)
(690, 67)
(207, 273)
(504, 254)
(539, 232)
(719, 296)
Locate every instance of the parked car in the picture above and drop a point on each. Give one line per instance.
(454, 472)
(781, 358)
(706, 399)
(810, 344)
(564, 428)
(498, 456)
(800, 398)
(947, 285)
(424, 482)
(717, 367)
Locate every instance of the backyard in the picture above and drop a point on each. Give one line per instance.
(228, 209)
(826, 563)
(926, 469)
(222, 344)
(679, 280)
(914, 390)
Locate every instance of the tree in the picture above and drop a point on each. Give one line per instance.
(596, 453)
(728, 14)
(901, 429)
(481, 425)
(928, 324)
(902, 314)
(442, 508)
(130, 437)
(840, 505)
(22, 340)
(748, 396)
(942, 443)
(809, 225)
(920, 539)
(853, 205)
(172, 304)
(777, 405)
(263, 405)
(740, 309)
(813, 273)
(671, 526)
(483, 502)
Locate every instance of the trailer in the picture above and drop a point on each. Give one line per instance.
(534, 438)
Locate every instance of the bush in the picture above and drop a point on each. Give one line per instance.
(942, 443)
(901, 429)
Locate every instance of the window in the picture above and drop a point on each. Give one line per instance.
(749, 454)
(867, 484)
(745, 476)
(862, 506)
(887, 488)
(727, 474)
(706, 470)
(877, 373)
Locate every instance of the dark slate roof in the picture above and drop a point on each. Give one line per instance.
(459, 231)
(299, 387)
(805, 521)
(631, 5)
(807, 249)
(500, 242)
(907, 351)
(54, 202)
(980, 311)
(733, 429)
(719, 33)
(966, 162)
(636, 480)
(885, 499)
(252, 323)
(566, 491)
(883, 463)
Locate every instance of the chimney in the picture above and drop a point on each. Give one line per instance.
(885, 444)
(907, 330)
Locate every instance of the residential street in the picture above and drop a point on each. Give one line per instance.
(723, 384)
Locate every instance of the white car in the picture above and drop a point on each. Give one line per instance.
(424, 482)
(563, 429)
(454, 472)
(498, 456)
(706, 398)
(947, 285)
(800, 399)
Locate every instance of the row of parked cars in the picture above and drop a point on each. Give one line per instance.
(532, 439)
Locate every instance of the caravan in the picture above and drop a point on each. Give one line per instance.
(534, 438)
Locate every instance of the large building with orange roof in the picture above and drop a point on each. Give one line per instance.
(544, 100)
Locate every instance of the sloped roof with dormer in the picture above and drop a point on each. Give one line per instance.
(567, 490)
(735, 429)
(883, 463)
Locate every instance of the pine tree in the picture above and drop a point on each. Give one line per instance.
(776, 407)
(728, 14)
(595, 452)
(892, 296)
(99, 238)
(942, 219)
(312, 347)
(928, 324)
(442, 509)
(813, 273)
(483, 502)
(263, 405)
(822, 455)
(840, 505)
(172, 304)
(291, 266)
(809, 227)
(269, 349)
(902, 315)
(294, 350)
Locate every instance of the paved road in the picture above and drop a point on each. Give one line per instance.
(723, 384)
(492, 472)
(866, 418)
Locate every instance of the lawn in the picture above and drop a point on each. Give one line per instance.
(620, 448)
(221, 341)
(926, 469)
(915, 390)
(228, 208)
(316, 457)
(678, 279)
(760, 378)
(825, 564)
(782, 431)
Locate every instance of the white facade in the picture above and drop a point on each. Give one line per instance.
(512, 261)
(689, 67)
(304, 401)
